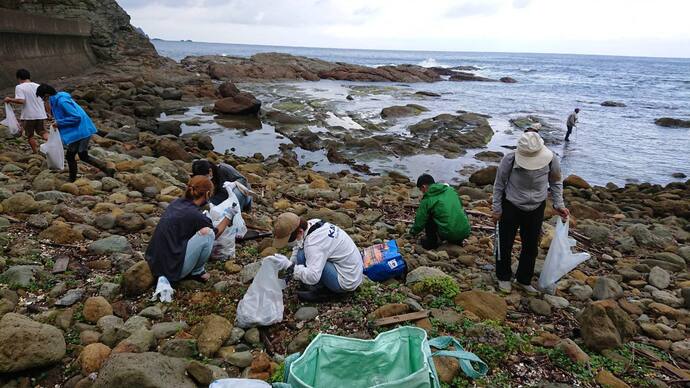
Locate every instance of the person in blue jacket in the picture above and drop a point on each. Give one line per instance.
(75, 126)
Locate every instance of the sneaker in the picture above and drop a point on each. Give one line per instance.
(529, 290)
(504, 286)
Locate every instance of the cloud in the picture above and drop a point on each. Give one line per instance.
(521, 3)
(473, 8)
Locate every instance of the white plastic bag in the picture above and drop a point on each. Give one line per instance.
(560, 260)
(10, 120)
(55, 153)
(224, 246)
(164, 290)
(239, 383)
(262, 305)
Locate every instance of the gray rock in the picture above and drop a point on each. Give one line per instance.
(20, 275)
(110, 184)
(306, 313)
(111, 244)
(300, 342)
(667, 298)
(142, 340)
(153, 312)
(249, 271)
(152, 370)
(136, 322)
(182, 348)
(659, 278)
(109, 290)
(414, 305)
(109, 322)
(685, 292)
(71, 297)
(642, 235)
(28, 344)
(167, 329)
(557, 301)
(239, 359)
(668, 261)
(540, 306)
(252, 336)
(681, 349)
(606, 288)
(421, 273)
(105, 221)
(55, 196)
(236, 335)
(5, 223)
(684, 252)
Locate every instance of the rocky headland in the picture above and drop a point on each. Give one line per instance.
(75, 308)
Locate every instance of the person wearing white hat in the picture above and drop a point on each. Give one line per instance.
(523, 181)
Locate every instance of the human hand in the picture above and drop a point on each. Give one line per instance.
(563, 212)
(495, 216)
(7, 99)
(231, 211)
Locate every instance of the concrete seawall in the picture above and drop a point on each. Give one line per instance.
(47, 47)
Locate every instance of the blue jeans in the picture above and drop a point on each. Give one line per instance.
(198, 251)
(329, 276)
(245, 200)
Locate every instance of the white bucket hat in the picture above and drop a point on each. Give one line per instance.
(531, 153)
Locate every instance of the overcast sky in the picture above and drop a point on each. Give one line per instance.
(615, 27)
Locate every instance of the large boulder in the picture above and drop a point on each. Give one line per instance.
(671, 122)
(228, 89)
(20, 203)
(20, 275)
(397, 111)
(576, 181)
(483, 304)
(606, 288)
(485, 176)
(61, 233)
(211, 333)
(28, 344)
(110, 244)
(95, 308)
(150, 370)
(137, 279)
(420, 274)
(604, 325)
(340, 219)
(92, 357)
(239, 104)
(172, 150)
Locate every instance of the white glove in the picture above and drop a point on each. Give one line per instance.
(231, 211)
(293, 256)
(283, 262)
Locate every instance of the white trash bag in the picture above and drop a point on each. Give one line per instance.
(560, 260)
(262, 305)
(10, 120)
(55, 153)
(164, 290)
(224, 246)
(239, 383)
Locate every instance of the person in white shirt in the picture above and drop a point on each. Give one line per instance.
(33, 109)
(324, 256)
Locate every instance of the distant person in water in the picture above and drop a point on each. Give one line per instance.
(440, 214)
(219, 174)
(75, 126)
(572, 122)
(33, 109)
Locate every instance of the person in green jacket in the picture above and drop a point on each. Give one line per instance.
(440, 214)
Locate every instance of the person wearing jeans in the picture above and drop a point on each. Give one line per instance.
(76, 129)
(522, 184)
(184, 237)
(324, 258)
(219, 174)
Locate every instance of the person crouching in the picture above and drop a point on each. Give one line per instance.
(324, 256)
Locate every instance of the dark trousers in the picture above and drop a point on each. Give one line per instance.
(431, 239)
(84, 156)
(567, 134)
(530, 230)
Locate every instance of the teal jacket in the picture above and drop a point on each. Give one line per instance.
(442, 205)
(72, 122)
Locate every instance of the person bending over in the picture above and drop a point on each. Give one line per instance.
(324, 256)
(183, 239)
(33, 109)
(440, 214)
(219, 174)
(523, 181)
(76, 129)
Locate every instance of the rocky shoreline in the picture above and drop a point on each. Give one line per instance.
(75, 308)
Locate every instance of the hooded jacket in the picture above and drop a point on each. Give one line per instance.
(73, 123)
(442, 205)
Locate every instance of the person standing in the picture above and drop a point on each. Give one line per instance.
(76, 129)
(571, 122)
(33, 110)
(440, 214)
(522, 184)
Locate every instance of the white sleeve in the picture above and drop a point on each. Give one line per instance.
(19, 93)
(315, 256)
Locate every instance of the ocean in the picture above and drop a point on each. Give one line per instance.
(611, 144)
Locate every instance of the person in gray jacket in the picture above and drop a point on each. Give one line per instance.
(570, 123)
(523, 181)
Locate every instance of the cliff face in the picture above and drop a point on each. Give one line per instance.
(112, 38)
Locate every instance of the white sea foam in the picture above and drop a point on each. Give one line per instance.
(431, 62)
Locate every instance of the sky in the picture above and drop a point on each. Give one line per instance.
(609, 27)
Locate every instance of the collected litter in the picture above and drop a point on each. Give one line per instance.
(10, 120)
(224, 246)
(560, 259)
(164, 290)
(53, 149)
(383, 261)
(262, 304)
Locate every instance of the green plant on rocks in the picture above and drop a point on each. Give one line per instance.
(440, 286)
(278, 375)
